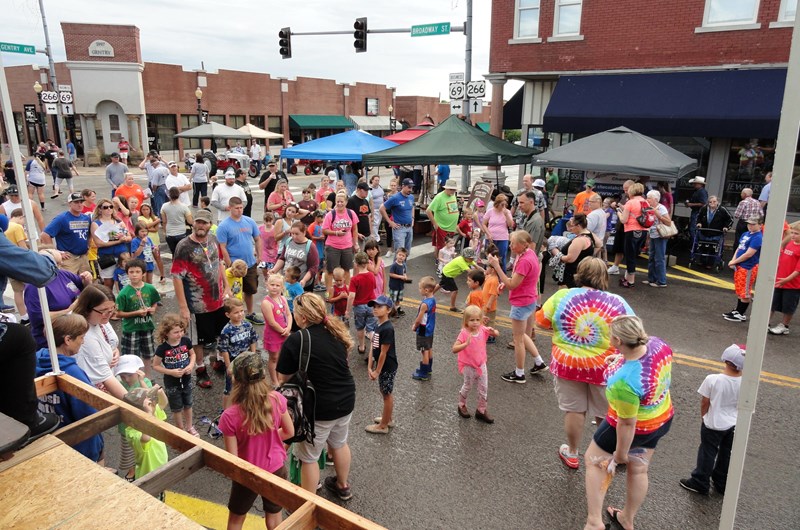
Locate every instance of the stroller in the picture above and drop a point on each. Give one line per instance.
(707, 244)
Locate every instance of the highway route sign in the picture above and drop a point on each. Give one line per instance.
(51, 108)
(65, 97)
(457, 107)
(456, 90)
(476, 89)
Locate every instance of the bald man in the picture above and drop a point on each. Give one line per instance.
(748, 207)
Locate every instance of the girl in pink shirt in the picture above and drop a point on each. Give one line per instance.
(278, 321)
(254, 427)
(376, 266)
(471, 349)
(269, 247)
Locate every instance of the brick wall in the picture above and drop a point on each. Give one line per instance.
(633, 34)
(124, 40)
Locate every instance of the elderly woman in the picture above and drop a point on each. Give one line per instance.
(639, 415)
(328, 341)
(581, 321)
(635, 233)
(341, 243)
(582, 246)
(279, 199)
(111, 238)
(299, 252)
(496, 223)
(657, 261)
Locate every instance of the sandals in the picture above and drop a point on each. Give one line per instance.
(613, 514)
(191, 430)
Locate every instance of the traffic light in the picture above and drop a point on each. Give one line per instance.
(360, 34)
(285, 42)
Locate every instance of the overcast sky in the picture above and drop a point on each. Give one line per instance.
(243, 35)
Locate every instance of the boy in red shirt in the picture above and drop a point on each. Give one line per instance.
(362, 290)
(787, 282)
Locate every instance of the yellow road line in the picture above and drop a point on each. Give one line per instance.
(680, 358)
(720, 282)
(207, 513)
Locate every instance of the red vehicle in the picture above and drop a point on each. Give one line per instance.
(311, 167)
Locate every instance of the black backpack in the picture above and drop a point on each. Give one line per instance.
(301, 397)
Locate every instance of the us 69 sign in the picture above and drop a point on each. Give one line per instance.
(456, 90)
(49, 97)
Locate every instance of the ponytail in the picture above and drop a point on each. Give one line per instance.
(312, 308)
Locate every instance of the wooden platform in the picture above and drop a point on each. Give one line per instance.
(49, 485)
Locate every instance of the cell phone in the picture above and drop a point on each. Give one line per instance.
(408, 281)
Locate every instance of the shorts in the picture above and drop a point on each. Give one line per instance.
(332, 432)
(250, 281)
(522, 312)
(338, 257)
(35, 185)
(139, 343)
(576, 396)
(76, 264)
(448, 284)
(364, 318)
(440, 236)
(206, 327)
(242, 498)
(783, 301)
(108, 272)
(396, 296)
(424, 343)
(386, 382)
(744, 281)
(179, 392)
(606, 437)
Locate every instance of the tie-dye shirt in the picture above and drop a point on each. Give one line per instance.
(581, 322)
(640, 389)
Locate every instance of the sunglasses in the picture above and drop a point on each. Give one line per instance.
(106, 207)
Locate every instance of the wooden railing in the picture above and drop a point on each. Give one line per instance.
(307, 509)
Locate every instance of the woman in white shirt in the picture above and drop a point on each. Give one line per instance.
(199, 176)
(378, 195)
(36, 179)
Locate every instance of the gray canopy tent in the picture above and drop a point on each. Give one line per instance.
(213, 131)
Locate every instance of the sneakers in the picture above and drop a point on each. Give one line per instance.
(319, 288)
(255, 319)
(203, 381)
(376, 429)
(455, 310)
(400, 311)
(780, 329)
(691, 485)
(570, 459)
(45, 423)
(389, 254)
(512, 377)
(379, 419)
(332, 486)
(734, 316)
(613, 269)
(484, 417)
(218, 365)
(539, 368)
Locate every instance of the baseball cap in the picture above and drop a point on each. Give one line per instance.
(479, 203)
(249, 368)
(363, 186)
(538, 183)
(754, 220)
(114, 155)
(272, 163)
(137, 396)
(407, 182)
(468, 253)
(734, 354)
(381, 300)
(203, 215)
(12, 190)
(230, 173)
(128, 364)
(172, 163)
(75, 197)
(590, 183)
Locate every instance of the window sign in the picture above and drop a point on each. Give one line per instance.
(373, 106)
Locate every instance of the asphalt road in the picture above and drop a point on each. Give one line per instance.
(436, 470)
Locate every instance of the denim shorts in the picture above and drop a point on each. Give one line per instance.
(522, 312)
(179, 392)
(364, 318)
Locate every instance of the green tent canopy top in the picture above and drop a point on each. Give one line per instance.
(454, 142)
(484, 126)
(319, 121)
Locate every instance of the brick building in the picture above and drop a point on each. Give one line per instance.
(116, 94)
(706, 76)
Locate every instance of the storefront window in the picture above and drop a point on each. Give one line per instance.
(237, 121)
(190, 121)
(217, 118)
(161, 129)
(274, 123)
(258, 121)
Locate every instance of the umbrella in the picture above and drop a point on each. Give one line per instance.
(619, 150)
(213, 130)
(257, 132)
(349, 145)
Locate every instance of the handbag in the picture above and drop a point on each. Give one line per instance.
(666, 231)
(106, 260)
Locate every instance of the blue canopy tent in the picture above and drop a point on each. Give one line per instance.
(346, 146)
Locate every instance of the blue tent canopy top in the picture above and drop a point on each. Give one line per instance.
(346, 146)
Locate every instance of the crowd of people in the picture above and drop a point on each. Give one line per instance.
(322, 266)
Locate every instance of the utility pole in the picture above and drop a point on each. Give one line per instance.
(465, 180)
(53, 81)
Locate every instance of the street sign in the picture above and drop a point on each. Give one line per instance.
(476, 89)
(475, 106)
(67, 109)
(426, 30)
(457, 107)
(456, 77)
(49, 97)
(10, 47)
(456, 90)
(30, 113)
(65, 88)
(65, 97)
(51, 108)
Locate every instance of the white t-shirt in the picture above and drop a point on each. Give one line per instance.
(96, 353)
(178, 181)
(255, 151)
(723, 391)
(36, 173)
(220, 197)
(596, 223)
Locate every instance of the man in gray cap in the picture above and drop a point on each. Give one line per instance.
(221, 196)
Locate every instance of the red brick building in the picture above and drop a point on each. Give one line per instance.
(116, 94)
(707, 76)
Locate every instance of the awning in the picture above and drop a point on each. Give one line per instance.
(319, 121)
(483, 125)
(371, 123)
(512, 111)
(726, 104)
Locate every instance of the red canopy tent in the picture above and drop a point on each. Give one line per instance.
(413, 133)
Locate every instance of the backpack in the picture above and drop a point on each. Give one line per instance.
(647, 217)
(301, 397)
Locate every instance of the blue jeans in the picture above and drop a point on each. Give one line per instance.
(657, 263)
(158, 199)
(402, 237)
(502, 247)
(693, 221)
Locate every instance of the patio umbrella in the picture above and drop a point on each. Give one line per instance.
(257, 132)
(213, 130)
(619, 150)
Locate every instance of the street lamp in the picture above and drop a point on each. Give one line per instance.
(392, 121)
(199, 95)
(37, 87)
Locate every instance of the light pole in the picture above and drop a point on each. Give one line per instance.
(199, 95)
(392, 121)
(37, 87)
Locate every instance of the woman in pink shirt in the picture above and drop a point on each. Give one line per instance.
(496, 223)
(341, 243)
(279, 199)
(522, 296)
(635, 234)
